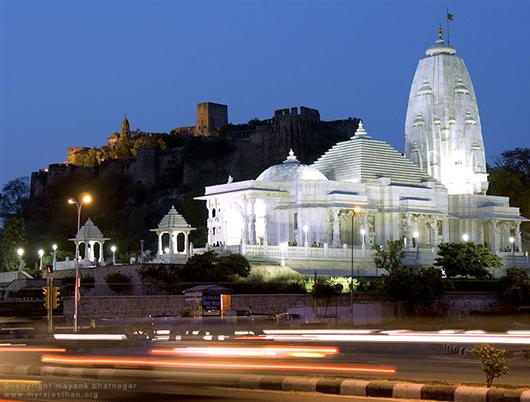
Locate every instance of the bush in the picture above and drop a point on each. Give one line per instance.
(494, 361)
(515, 287)
(370, 285)
(209, 267)
(418, 289)
(389, 258)
(161, 276)
(118, 282)
(475, 285)
(466, 259)
(323, 289)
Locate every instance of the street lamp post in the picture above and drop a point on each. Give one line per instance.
(306, 229)
(356, 211)
(416, 236)
(20, 253)
(512, 243)
(113, 249)
(85, 199)
(49, 279)
(41, 254)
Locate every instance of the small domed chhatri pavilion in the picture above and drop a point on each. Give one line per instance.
(91, 236)
(173, 224)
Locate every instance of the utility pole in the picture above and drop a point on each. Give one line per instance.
(50, 297)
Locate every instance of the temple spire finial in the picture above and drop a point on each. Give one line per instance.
(360, 132)
(440, 35)
(291, 157)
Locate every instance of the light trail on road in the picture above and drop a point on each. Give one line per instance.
(213, 364)
(398, 336)
(244, 351)
(25, 349)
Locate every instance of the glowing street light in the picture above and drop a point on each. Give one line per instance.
(363, 233)
(85, 200)
(283, 249)
(54, 262)
(113, 249)
(41, 254)
(465, 237)
(306, 229)
(20, 253)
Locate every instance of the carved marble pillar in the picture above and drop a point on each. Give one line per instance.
(445, 230)
(91, 251)
(160, 248)
(252, 221)
(101, 257)
(336, 228)
(265, 230)
(244, 218)
(494, 236)
(299, 226)
(407, 230)
(172, 242)
(518, 240)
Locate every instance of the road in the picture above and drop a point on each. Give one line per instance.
(162, 370)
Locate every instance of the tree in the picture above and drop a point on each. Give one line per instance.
(389, 258)
(160, 276)
(323, 289)
(415, 288)
(14, 197)
(494, 361)
(12, 237)
(510, 177)
(346, 283)
(466, 259)
(209, 267)
(515, 287)
(235, 264)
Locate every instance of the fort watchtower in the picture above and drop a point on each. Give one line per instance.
(210, 116)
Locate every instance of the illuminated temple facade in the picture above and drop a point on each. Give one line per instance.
(320, 217)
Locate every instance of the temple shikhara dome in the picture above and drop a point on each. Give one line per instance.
(443, 135)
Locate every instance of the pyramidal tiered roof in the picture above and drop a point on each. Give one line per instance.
(89, 231)
(363, 159)
(173, 220)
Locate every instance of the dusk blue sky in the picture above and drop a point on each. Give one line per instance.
(69, 71)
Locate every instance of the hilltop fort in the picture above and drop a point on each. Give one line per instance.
(190, 155)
